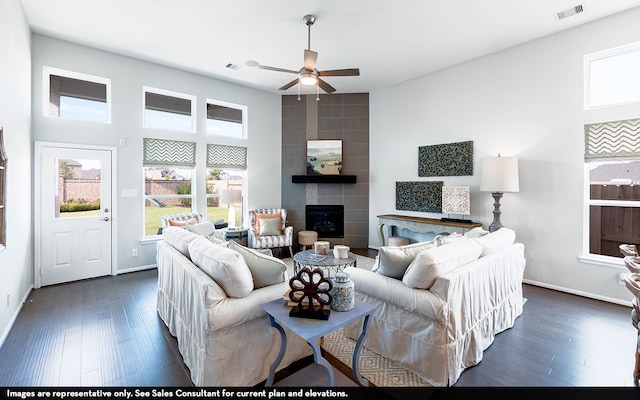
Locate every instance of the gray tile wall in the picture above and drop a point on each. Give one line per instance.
(336, 116)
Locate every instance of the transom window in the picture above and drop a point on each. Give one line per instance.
(612, 78)
(73, 95)
(169, 110)
(226, 119)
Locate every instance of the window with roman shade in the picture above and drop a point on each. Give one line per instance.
(226, 157)
(612, 170)
(168, 177)
(226, 174)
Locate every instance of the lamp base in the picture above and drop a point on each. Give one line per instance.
(496, 224)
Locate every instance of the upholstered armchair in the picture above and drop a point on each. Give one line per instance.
(268, 229)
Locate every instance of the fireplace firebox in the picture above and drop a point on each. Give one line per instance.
(327, 220)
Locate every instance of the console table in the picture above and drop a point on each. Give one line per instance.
(417, 229)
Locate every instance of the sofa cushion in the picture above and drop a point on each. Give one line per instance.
(450, 238)
(190, 221)
(496, 240)
(476, 232)
(205, 228)
(265, 269)
(223, 265)
(179, 238)
(394, 260)
(429, 264)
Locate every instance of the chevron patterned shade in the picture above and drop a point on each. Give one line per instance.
(610, 140)
(221, 156)
(169, 152)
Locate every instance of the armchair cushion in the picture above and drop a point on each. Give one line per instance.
(269, 227)
(223, 265)
(259, 218)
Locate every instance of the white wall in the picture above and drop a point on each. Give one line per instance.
(526, 102)
(128, 76)
(15, 116)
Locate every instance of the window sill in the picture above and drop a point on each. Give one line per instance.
(150, 239)
(602, 261)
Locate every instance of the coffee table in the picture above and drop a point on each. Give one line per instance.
(329, 264)
(311, 330)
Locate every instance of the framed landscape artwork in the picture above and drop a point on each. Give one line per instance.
(324, 157)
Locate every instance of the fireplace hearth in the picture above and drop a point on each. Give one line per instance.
(327, 220)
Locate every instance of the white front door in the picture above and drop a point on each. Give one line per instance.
(74, 224)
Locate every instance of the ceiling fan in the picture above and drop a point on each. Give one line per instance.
(308, 75)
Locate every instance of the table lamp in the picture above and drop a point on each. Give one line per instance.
(499, 175)
(231, 197)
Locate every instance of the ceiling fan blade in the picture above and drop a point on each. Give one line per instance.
(277, 69)
(325, 86)
(288, 85)
(310, 58)
(340, 72)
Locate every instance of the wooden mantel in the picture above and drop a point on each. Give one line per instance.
(412, 227)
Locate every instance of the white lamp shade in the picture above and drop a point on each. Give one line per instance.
(231, 196)
(455, 200)
(499, 174)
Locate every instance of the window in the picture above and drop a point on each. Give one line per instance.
(612, 78)
(72, 95)
(168, 110)
(226, 119)
(226, 166)
(168, 180)
(612, 171)
(3, 191)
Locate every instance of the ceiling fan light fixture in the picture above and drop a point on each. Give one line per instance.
(308, 79)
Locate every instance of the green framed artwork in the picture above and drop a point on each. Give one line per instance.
(450, 159)
(419, 196)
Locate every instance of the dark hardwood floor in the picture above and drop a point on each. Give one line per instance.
(106, 332)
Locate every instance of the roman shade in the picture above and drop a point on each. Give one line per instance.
(168, 152)
(226, 157)
(612, 140)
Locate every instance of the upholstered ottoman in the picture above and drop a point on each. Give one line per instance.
(307, 238)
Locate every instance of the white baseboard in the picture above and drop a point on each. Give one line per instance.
(136, 269)
(578, 293)
(15, 316)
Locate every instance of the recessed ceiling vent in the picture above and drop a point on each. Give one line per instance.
(570, 12)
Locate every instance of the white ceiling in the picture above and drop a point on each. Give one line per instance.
(389, 41)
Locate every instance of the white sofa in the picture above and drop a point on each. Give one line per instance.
(213, 306)
(437, 317)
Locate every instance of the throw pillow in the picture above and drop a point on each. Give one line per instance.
(223, 265)
(190, 221)
(269, 227)
(394, 260)
(496, 240)
(257, 217)
(203, 229)
(476, 232)
(430, 264)
(450, 238)
(179, 239)
(266, 270)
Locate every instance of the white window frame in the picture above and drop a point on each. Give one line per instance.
(589, 58)
(163, 92)
(587, 256)
(243, 109)
(46, 89)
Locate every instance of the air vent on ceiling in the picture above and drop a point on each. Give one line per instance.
(570, 12)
